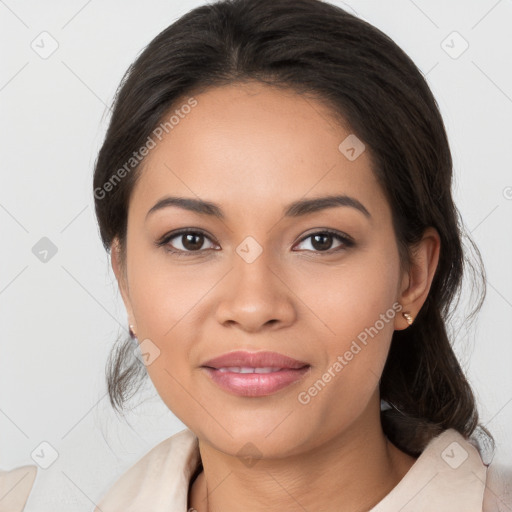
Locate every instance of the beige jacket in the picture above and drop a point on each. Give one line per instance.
(449, 476)
(15, 487)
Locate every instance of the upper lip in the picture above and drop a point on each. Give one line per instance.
(262, 359)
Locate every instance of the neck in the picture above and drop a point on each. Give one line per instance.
(351, 472)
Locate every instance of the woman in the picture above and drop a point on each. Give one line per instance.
(275, 192)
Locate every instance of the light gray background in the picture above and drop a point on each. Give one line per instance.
(59, 319)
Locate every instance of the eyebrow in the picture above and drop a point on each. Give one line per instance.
(295, 209)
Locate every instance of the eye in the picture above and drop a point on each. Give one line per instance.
(321, 241)
(187, 241)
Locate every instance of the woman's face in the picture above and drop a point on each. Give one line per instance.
(258, 280)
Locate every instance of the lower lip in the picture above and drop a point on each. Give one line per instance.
(255, 384)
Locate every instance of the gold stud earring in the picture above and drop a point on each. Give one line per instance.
(408, 317)
(132, 332)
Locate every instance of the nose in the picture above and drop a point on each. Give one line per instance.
(255, 296)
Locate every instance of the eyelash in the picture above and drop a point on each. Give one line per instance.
(164, 241)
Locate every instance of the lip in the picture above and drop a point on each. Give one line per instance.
(260, 359)
(255, 384)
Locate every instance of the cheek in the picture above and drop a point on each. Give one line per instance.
(351, 297)
(165, 294)
(361, 317)
(164, 306)
(356, 304)
(169, 301)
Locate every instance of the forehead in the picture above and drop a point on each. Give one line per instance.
(245, 145)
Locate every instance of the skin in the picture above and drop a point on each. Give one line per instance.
(253, 149)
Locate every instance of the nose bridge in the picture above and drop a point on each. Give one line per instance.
(253, 268)
(254, 295)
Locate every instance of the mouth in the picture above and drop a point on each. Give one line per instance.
(250, 369)
(254, 374)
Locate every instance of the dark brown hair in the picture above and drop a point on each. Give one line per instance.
(369, 83)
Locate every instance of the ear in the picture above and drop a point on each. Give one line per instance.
(119, 269)
(417, 281)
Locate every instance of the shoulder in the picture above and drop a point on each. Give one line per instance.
(498, 489)
(15, 487)
(159, 478)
